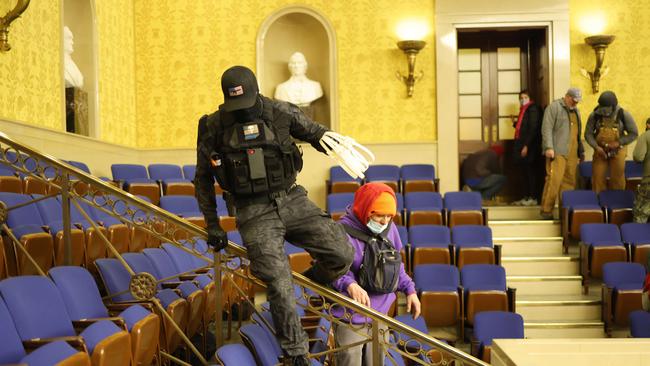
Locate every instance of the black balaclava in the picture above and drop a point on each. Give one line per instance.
(607, 103)
(249, 114)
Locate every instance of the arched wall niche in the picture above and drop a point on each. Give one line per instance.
(79, 16)
(300, 29)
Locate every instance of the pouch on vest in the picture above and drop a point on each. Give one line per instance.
(381, 263)
(607, 129)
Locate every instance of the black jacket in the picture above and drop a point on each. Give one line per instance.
(530, 133)
(288, 121)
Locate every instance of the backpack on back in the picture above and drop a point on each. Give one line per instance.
(381, 263)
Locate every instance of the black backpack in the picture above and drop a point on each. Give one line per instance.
(380, 267)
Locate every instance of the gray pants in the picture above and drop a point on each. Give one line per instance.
(359, 355)
(264, 228)
(641, 209)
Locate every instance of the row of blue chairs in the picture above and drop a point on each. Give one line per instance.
(488, 326)
(423, 244)
(604, 243)
(585, 206)
(190, 299)
(407, 178)
(37, 222)
(621, 293)
(633, 174)
(47, 312)
(418, 208)
(452, 297)
(460, 245)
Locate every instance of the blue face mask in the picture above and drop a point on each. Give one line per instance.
(376, 227)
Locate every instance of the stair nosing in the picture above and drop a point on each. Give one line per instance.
(544, 278)
(558, 302)
(561, 324)
(498, 239)
(518, 259)
(523, 222)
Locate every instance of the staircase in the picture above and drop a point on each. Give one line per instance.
(549, 292)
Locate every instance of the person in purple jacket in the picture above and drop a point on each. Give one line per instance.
(371, 213)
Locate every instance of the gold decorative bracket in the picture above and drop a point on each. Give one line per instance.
(7, 19)
(599, 44)
(411, 49)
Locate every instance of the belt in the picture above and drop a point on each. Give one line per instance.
(264, 197)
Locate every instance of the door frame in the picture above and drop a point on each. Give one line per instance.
(448, 22)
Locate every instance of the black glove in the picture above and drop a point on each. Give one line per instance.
(217, 238)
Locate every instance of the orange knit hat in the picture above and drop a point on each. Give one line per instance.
(384, 204)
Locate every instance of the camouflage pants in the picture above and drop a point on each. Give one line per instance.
(641, 210)
(264, 228)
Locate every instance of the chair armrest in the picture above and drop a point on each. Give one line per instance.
(452, 254)
(461, 323)
(497, 254)
(475, 347)
(171, 285)
(187, 277)
(85, 323)
(512, 299)
(485, 216)
(125, 305)
(76, 342)
(606, 315)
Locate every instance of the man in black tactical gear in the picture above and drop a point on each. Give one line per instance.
(248, 146)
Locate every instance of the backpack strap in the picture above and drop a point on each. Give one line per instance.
(365, 237)
(356, 233)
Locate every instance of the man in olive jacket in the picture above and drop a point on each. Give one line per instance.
(562, 147)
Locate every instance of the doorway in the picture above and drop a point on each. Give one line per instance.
(493, 67)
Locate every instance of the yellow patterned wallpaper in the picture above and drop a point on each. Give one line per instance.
(627, 56)
(30, 74)
(117, 72)
(182, 50)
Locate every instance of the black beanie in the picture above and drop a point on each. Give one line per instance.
(608, 99)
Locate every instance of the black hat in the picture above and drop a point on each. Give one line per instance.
(608, 99)
(239, 87)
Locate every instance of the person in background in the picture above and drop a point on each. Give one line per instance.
(369, 225)
(609, 130)
(641, 154)
(527, 148)
(562, 148)
(482, 172)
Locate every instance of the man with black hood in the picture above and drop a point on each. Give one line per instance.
(248, 146)
(609, 130)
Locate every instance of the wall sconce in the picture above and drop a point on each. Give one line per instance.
(411, 49)
(5, 22)
(599, 44)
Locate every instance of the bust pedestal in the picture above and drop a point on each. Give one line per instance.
(76, 111)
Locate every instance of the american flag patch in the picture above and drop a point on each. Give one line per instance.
(235, 91)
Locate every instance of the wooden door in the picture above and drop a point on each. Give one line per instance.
(493, 67)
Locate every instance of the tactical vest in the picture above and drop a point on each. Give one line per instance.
(249, 158)
(607, 128)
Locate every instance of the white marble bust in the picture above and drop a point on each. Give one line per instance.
(298, 90)
(72, 75)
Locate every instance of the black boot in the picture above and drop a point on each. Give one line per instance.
(301, 360)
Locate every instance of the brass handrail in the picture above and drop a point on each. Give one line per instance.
(196, 231)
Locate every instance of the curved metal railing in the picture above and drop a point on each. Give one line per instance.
(78, 189)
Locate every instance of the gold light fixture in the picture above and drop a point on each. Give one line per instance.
(599, 43)
(5, 22)
(411, 49)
